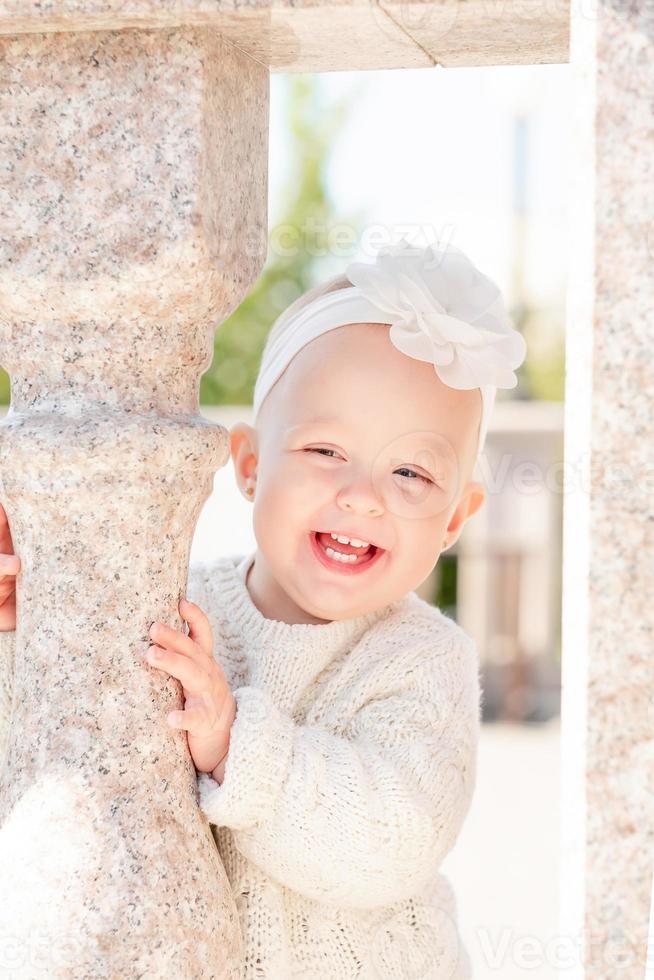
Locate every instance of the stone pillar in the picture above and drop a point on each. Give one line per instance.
(608, 614)
(133, 220)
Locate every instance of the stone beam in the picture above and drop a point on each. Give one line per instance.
(307, 36)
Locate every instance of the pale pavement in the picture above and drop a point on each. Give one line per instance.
(505, 864)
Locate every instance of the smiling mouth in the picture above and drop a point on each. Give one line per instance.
(343, 556)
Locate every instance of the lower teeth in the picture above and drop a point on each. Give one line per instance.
(343, 558)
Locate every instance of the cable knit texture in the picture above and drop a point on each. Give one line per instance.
(350, 772)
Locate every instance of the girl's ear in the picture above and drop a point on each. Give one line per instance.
(473, 496)
(476, 497)
(243, 447)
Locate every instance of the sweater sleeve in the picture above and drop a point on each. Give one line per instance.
(361, 820)
(7, 645)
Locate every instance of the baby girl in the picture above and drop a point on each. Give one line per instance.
(332, 714)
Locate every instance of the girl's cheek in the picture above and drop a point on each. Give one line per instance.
(305, 473)
(418, 501)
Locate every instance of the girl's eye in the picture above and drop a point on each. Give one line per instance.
(321, 450)
(419, 475)
(406, 469)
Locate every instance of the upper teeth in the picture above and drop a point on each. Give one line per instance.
(353, 541)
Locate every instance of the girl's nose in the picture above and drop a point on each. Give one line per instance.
(360, 498)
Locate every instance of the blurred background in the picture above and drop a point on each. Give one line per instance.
(477, 157)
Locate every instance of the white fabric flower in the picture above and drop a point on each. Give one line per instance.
(445, 311)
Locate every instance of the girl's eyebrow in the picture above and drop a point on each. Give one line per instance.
(312, 422)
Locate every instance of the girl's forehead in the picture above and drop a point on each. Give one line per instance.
(353, 403)
(359, 361)
(369, 388)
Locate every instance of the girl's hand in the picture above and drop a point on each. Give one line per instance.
(9, 568)
(210, 706)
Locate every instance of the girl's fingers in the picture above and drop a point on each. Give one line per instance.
(6, 544)
(8, 614)
(189, 720)
(9, 568)
(191, 675)
(7, 590)
(198, 624)
(204, 718)
(9, 564)
(175, 640)
(180, 719)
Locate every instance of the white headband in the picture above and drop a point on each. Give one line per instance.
(441, 309)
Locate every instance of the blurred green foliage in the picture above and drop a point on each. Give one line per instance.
(545, 370)
(446, 583)
(541, 376)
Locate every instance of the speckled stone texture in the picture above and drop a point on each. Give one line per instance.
(608, 613)
(133, 220)
(332, 35)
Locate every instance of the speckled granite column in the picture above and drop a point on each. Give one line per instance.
(133, 213)
(608, 636)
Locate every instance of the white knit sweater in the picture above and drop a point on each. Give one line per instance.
(350, 772)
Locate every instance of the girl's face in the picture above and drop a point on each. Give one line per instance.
(358, 439)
